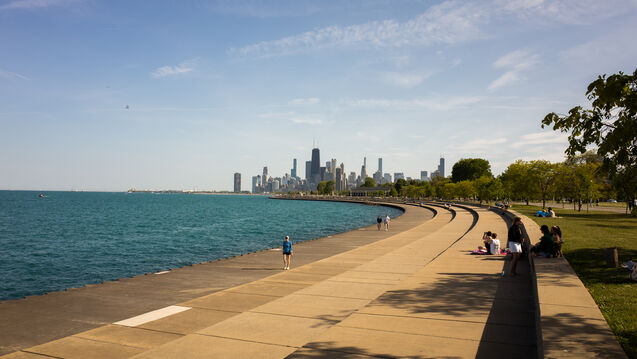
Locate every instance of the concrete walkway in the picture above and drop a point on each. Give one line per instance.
(417, 293)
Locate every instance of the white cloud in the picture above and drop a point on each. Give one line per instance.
(404, 79)
(304, 101)
(307, 120)
(12, 75)
(34, 4)
(516, 62)
(541, 138)
(434, 103)
(450, 22)
(446, 23)
(180, 69)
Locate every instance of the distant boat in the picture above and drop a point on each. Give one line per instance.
(41, 195)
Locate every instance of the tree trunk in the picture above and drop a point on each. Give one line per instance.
(611, 256)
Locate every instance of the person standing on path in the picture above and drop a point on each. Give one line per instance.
(379, 221)
(515, 243)
(287, 253)
(386, 220)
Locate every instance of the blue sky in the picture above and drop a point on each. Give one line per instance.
(218, 87)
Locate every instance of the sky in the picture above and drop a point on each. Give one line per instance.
(111, 95)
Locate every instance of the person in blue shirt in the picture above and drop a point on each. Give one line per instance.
(287, 252)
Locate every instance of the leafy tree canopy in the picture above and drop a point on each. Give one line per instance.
(369, 182)
(610, 124)
(469, 169)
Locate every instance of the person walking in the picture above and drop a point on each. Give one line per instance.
(386, 220)
(287, 253)
(379, 221)
(516, 238)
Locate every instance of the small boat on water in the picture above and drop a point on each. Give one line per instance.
(41, 195)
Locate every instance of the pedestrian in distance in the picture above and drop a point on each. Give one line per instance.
(386, 220)
(379, 221)
(516, 238)
(287, 253)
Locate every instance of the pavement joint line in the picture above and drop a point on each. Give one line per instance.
(333, 296)
(152, 315)
(332, 321)
(104, 341)
(231, 290)
(435, 336)
(444, 319)
(151, 330)
(219, 310)
(343, 351)
(245, 340)
(35, 353)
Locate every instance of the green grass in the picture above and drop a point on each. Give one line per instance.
(586, 235)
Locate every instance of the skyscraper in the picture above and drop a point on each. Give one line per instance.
(364, 169)
(265, 174)
(308, 171)
(254, 184)
(293, 172)
(339, 179)
(237, 182)
(316, 165)
(424, 176)
(380, 165)
(398, 175)
(441, 167)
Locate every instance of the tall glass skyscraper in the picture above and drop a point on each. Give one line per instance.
(316, 164)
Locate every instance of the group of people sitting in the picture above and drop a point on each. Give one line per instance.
(548, 213)
(491, 244)
(550, 245)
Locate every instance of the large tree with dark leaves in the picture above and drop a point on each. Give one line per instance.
(610, 124)
(469, 169)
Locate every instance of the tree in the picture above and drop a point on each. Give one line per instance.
(542, 176)
(465, 189)
(610, 124)
(369, 182)
(469, 169)
(325, 187)
(399, 184)
(517, 182)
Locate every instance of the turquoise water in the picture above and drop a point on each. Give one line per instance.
(69, 239)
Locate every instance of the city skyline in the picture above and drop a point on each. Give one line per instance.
(108, 95)
(315, 173)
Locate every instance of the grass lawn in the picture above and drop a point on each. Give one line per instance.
(586, 235)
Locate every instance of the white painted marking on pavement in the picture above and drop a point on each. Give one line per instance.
(150, 316)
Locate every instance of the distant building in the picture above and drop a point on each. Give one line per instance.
(351, 179)
(441, 167)
(378, 177)
(435, 174)
(254, 184)
(387, 178)
(237, 182)
(398, 175)
(308, 170)
(265, 174)
(316, 165)
(338, 183)
(424, 176)
(380, 166)
(293, 171)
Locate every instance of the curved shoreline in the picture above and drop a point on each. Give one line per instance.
(42, 318)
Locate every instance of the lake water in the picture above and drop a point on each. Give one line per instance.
(69, 239)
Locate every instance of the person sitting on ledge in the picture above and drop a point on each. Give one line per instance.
(486, 238)
(557, 241)
(545, 247)
(495, 244)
